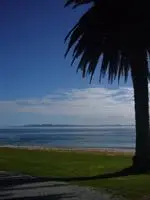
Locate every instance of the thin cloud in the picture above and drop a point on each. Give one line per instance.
(91, 105)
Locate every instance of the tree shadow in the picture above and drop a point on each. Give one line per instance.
(8, 184)
(12, 187)
(10, 181)
(121, 173)
(33, 179)
(42, 197)
(32, 188)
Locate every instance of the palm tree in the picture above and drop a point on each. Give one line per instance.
(118, 33)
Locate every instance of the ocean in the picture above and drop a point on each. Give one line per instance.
(117, 137)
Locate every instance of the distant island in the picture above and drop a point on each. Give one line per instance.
(37, 125)
(69, 125)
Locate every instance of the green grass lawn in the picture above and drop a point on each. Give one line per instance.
(57, 163)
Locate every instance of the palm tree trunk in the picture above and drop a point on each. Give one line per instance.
(139, 70)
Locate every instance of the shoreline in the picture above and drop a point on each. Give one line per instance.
(109, 151)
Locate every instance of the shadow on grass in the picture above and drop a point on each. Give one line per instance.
(23, 187)
(122, 173)
(11, 184)
(32, 179)
(4, 188)
(40, 197)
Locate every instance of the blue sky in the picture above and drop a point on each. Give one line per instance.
(33, 69)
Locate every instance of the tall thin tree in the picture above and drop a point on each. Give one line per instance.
(119, 33)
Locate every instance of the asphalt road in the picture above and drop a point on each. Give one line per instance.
(15, 187)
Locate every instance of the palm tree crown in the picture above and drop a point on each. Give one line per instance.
(117, 31)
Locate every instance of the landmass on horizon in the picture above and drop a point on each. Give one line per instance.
(70, 125)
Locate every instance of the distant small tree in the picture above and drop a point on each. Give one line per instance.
(118, 32)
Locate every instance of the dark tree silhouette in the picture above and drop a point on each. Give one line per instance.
(119, 33)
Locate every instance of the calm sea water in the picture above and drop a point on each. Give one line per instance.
(121, 137)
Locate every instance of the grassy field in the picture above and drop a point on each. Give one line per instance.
(62, 163)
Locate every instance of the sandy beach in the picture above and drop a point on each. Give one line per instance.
(110, 151)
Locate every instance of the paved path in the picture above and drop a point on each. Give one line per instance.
(15, 187)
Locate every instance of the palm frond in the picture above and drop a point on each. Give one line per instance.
(121, 68)
(74, 37)
(77, 3)
(78, 50)
(94, 36)
(77, 31)
(104, 65)
(92, 66)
